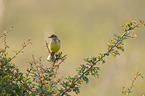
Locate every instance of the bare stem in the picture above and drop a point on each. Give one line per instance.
(46, 44)
(21, 50)
(6, 32)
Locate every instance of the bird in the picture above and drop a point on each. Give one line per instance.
(54, 46)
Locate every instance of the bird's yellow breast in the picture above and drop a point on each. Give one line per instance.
(54, 45)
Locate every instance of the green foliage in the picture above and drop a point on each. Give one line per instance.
(45, 81)
(114, 45)
(13, 82)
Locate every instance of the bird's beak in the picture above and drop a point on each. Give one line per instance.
(49, 37)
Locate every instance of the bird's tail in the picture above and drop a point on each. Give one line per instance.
(51, 56)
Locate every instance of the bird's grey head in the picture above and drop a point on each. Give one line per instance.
(53, 36)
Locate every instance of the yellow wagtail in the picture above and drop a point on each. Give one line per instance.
(54, 46)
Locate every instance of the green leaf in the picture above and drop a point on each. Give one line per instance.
(103, 61)
(86, 79)
(106, 54)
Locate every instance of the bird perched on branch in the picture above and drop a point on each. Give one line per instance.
(54, 46)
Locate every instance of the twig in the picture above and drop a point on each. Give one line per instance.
(6, 32)
(46, 44)
(5, 44)
(127, 91)
(21, 50)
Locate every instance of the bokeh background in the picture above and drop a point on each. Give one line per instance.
(84, 28)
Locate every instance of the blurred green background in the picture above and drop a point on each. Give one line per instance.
(84, 27)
